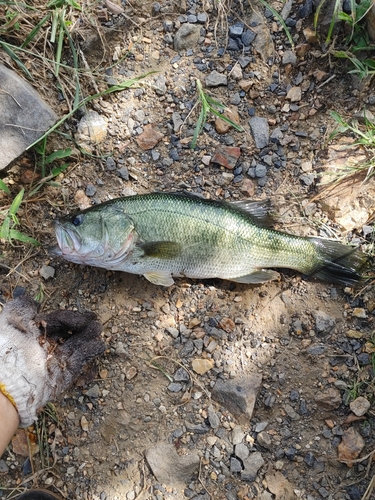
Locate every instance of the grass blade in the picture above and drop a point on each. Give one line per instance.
(198, 127)
(34, 31)
(58, 155)
(280, 19)
(4, 187)
(17, 235)
(15, 58)
(16, 203)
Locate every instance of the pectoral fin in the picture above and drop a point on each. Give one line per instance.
(161, 249)
(260, 276)
(159, 278)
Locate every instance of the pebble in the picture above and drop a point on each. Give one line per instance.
(248, 37)
(213, 417)
(110, 163)
(260, 131)
(329, 399)
(181, 375)
(202, 366)
(187, 37)
(294, 94)
(93, 392)
(149, 137)
(351, 445)
(324, 323)
(360, 406)
(289, 57)
(251, 466)
(174, 469)
(237, 435)
(241, 451)
(215, 79)
(91, 128)
(238, 395)
(47, 272)
(264, 440)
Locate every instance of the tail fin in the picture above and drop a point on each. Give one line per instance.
(340, 264)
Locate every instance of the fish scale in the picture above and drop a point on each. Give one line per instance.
(160, 235)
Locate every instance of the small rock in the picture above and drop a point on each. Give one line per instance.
(263, 43)
(330, 399)
(248, 37)
(360, 406)
(236, 72)
(235, 465)
(237, 435)
(187, 37)
(149, 137)
(215, 79)
(294, 94)
(160, 85)
(264, 439)
(47, 272)
(177, 121)
(110, 163)
(174, 387)
(93, 392)
(123, 172)
(173, 469)
(359, 312)
(238, 395)
(213, 418)
(311, 36)
(84, 424)
(351, 446)
(241, 451)
(251, 466)
(181, 375)
(227, 156)
(202, 366)
(91, 128)
(364, 115)
(202, 18)
(221, 126)
(260, 131)
(324, 323)
(236, 30)
(289, 57)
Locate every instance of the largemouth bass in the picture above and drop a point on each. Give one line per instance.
(163, 235)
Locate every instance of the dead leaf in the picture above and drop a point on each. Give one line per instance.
(280, 486)
(24, 443)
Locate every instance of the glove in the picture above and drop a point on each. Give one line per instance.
(42, 355)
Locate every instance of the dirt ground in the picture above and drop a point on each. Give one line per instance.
(296, 333)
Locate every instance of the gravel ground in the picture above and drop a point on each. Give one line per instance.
(209, 389)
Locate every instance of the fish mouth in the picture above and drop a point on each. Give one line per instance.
(68, 241)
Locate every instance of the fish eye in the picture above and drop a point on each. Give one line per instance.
(77, 220)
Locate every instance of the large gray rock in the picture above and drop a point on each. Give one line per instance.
(168, 467)
(238, 395)
(24, 116)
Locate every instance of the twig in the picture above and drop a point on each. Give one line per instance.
(370, 487)
(325, 82)
(200, 479)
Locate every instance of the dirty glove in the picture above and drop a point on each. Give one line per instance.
(41, 356)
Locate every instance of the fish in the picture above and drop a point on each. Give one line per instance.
(166, 235)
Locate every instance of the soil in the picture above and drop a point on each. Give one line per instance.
(275, 329)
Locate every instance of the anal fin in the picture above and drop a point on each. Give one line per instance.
(159, 278)
(259, 276)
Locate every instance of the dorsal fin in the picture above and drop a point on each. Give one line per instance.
(258, 210)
